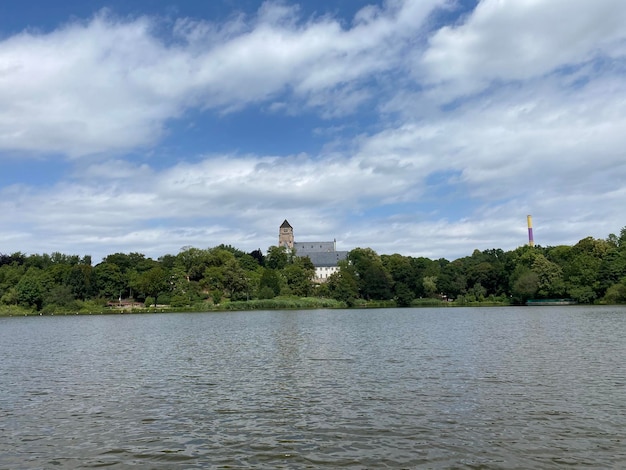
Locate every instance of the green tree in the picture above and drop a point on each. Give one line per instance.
(213, 279)
(9, 296)
(525, 285)
(59, 273)
(194, 262)
(581, 273)
(226, 273)
(153, 282)
(376, 283)
(451, 280)
(487, 268)
(277, 257)
(10, 275)
(18, 259)
(235, 281)
(247, 262)
(258, 256)
(582, 294)
(31, 288)
(184, 292)
(403, 294)
(430, 286)
(618, 241)
(373, 280)
(79, 280)
(108, 280)
(270, 281)
(400, 268)
(343, 286)
(59, 296)
(168, 261)
(362, 258)
(403, 275)
(616, 293)
(612, 269)
(550, 281)
(125, 261)
(425, 267)
(298, 279)
(561, 254)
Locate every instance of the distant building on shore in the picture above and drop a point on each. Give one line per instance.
(323, 255)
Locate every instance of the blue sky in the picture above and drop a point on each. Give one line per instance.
(427, 128)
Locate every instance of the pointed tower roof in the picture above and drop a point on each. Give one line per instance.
(285, 224)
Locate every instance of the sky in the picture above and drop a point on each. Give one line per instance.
(425, 128)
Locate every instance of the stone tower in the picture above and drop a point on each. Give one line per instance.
(285, 235)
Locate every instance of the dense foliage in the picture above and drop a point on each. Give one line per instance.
(593, 270)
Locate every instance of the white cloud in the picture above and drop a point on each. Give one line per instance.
(110, 84)
(557, 155)
(523, 39)
(77, 90)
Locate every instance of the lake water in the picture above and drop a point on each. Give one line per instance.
(527, 387)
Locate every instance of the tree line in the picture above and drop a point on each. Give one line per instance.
(591, 271)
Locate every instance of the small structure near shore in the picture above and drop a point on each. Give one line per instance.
(124, 304)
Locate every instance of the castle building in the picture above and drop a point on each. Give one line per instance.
(323, 255)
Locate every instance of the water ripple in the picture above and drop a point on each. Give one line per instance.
(514, 388)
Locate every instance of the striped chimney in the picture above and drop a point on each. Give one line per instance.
(531, 241)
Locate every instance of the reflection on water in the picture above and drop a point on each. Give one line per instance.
(433, 388)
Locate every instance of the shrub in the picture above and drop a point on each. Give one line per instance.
(179, 300)
(266, 292)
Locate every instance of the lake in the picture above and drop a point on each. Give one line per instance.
(501, 388)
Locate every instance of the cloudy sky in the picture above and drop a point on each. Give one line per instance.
(420, 127)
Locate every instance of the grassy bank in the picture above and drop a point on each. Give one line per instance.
(278, 303)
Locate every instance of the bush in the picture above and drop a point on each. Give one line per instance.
(91, 306)
(266, 292)
(616, 293)
(179, 300)
(14, 310)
